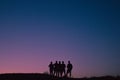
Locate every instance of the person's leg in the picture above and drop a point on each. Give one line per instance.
(54, 73)
(50, 72)
(57, 73)
(70, 73)
(60, 74)
(64, 72)
(67, 73)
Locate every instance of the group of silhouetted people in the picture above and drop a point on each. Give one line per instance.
(59, 69)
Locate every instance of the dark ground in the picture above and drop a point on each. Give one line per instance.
(37, 76)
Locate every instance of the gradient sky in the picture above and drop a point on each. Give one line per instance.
(35, 32)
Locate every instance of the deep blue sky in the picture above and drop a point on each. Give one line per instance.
(34, 32)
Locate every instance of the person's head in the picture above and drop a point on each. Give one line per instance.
(68, 62)
(59, 62)
(62, 62)
(56, 62)
(51, 62)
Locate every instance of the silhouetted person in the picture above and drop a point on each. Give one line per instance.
(56, 69)
(69, 68)
(63, 66)
(51, 68)
(59, 69)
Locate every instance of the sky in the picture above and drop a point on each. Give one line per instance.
(35, 32)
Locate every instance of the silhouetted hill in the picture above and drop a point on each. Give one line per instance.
(37, 76)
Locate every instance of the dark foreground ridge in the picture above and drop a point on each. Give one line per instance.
(38, 76)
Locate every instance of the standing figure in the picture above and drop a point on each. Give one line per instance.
(69, 68)
(56, 69)
(51, 68)
(59, 69)
(63, 66)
